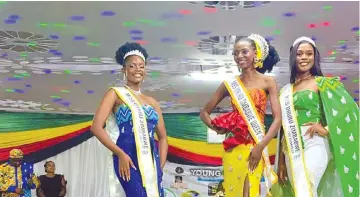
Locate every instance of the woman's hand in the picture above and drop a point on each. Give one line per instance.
(315, 128)
(219, 130)
(254, 157)
(282, 174)
(125, 163)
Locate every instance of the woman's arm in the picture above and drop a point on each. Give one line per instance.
(276, 112)
(39, 191)
(218, 96)
(161, 134)
(63, 186)
(97, 128)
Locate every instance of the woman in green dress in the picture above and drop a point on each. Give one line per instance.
(319, 149)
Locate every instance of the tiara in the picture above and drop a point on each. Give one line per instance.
(303, 38)
(263, 45)
(134, 52)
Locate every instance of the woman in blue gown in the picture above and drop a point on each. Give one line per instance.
(127, 148)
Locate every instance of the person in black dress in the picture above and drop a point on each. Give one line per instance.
(51, 184)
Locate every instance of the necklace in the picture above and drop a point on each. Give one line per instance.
(136, 92)
(298, 80)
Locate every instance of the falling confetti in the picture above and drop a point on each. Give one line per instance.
(93, 44)
(268, 22)
(66, 104)
(79, 38)
(64, 91)
(289, 14)
(327, 8)
(210, 9)
(185, 12)
(57, 100)
(47, 71)
(312, 25)
(326, 24)
(154, 74)
(54, 37)
(142, 42)
(136, 38)
(277, 32)
(175, 94)
(90, 91)
(77, 18)
(107, 13)
(203, 33)
(129, 23)
(135, 31)
(77, 82)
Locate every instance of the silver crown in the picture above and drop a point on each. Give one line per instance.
(304, 38)
(264, 47)
(134, 52)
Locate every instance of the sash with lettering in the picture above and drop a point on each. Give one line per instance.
(246, 108)
(143, 148)
(300, 181)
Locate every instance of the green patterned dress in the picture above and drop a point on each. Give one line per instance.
(334, 107)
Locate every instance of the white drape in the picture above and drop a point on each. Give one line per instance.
(85, 168)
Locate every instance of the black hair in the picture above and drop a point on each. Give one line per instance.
(315, 70)
(46, 163)
(127, 47)
(270, 61)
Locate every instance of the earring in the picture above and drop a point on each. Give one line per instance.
(124, 76)
(257, 62)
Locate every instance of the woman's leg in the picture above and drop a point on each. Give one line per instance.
(236, 172)
(316, 161)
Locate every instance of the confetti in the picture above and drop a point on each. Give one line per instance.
(77, 18)
(107, 13)
(47, 71)
(355, 29)
(289, 14)
(9, 21)
(185, 12)
(326, 24)
(66, 104)
(311, 25)
(129, 23)
(57, 100)
(93, 44)
(77, 82)
(277, 32)
(268, 22)
(210, 9)
(54, 37)
(175, 94)
(203, 33)
(90, 91)
(135, 31)
(79, 38)
(327, 8)
(142, 42)
(136, 38)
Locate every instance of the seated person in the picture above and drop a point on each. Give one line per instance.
(51, 184)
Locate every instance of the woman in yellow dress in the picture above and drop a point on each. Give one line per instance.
(246, 156)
